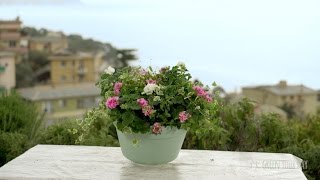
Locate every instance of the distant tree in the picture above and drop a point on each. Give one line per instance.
(24, 74)
(38, 59)
(33, 32)
(27, 72)
(77, 43)
(289, 109)
(124, 56)
(219, 91)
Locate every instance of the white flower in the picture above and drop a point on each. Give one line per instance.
(110, 70)
(156, 98)
(198, 107)
(150, 88)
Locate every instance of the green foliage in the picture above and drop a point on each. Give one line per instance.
(239, 129)
(77, 43)
(59, 133)
(34, 32)
(123, 56)
(36, 62)
(101, 131)
(19, 116)
(22, 69)
(38, 59)
(12, 145)
(96, 129)
(289, 109)
(20, 124)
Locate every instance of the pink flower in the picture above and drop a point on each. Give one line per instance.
(208, 98)
(117, 88)
(142, 102)
(200, 91)
(183, 116)
(143, 72)
(112, 102)
(156, 128)
(151, 81)
(147, 110)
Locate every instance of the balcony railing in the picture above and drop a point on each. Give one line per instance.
(10, 35)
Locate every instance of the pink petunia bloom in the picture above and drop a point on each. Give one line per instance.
(112, 102)
(156, 128)
(151, 81)
(183, 116)
(143, 72)
(142, 102)
(117, 88)
(208, 98)
(147, 110)
(200, 91)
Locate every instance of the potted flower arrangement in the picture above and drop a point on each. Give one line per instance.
(153, 110)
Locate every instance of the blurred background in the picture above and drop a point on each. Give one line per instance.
(264, 56)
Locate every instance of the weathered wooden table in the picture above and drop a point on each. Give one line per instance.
(91, 162)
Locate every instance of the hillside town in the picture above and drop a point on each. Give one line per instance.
(159, 90)
(65, 88)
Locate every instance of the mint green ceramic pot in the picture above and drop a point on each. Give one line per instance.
(152, 149)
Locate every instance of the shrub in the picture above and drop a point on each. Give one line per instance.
(12, 145)
(69, 132)
(19, 126)
(59, 133)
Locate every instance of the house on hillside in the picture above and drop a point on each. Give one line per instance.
(7, 71)
(66, 67)
(301, 99)
(50, 43)
(12, 39)
(62, 102)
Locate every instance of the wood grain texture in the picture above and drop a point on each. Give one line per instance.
(92, 162)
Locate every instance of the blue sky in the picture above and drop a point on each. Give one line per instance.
(235, 43)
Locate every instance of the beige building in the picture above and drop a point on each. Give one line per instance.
(303, 99)
(68, 68)
(7, 71)
(63, 102)
(49, 44)
(11, 38)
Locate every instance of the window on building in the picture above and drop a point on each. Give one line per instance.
(63, 78)
(299, 97)
(80, 103)
(63, 64)
(63, 103)
(292, 98)
(81, 78)
(12, 43)
(87, 102)
(46, 106)
(284, 98)
(81, 64)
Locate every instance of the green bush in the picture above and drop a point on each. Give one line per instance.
(60, 133)
(239, 129)
(20, 124)
(12, 145)
(72, 132)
